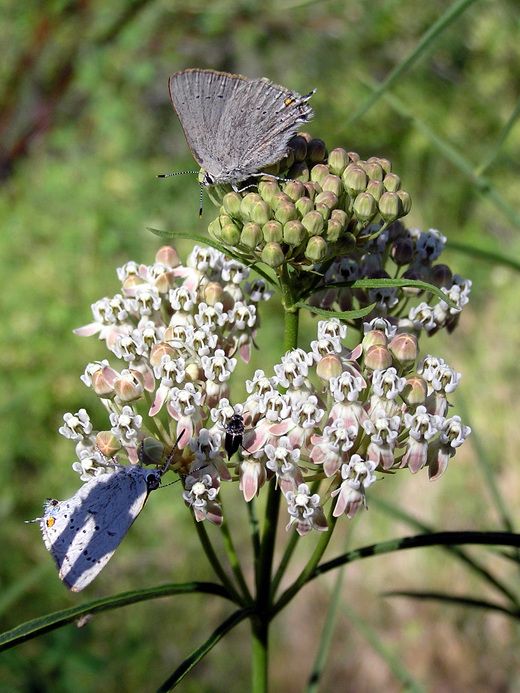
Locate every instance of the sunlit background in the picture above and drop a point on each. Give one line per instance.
(85, 125)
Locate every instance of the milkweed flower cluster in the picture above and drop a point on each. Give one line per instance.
(330, 418)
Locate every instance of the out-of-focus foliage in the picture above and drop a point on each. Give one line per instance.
(85, 125)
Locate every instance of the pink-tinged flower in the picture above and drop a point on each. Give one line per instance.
(423, 427)
(331, 449)
(452, 435)
(283, 461)
(200, 495)
(185, 406)
(383, 431)
(357, 476)
(129, 385)
(110, 320)
(305, 417)
(126, 425)
(305, 511)
(252, 477)
(77, 426)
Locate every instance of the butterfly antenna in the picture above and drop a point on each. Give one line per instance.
(170, 456)
(178, 173)
(200, 207)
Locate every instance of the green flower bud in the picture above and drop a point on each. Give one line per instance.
(322, 208)
(316, 150)
(280, 198)
(392, 182)
(415, 391)
(273, 169)
(247, 202)
(268, 188)
(298, 146)
(316, 249)
(304, 205)
(294, 233)
(272, 231)
(378, 358)
(365, 207)
(318, 173)
(214, 228)
(327, 198)
(332, 184)
(299, 171)
(231, 204)
(376, 189)
(333, 230)
(341, 216)
(313, 222)
(384, 163)
(287, 161)
(260, 212)
(108, 444)
(312, 189)
(230, 234)
(405, 348)
(152, 450)
(251, 235)
(294, 189)
(354, 179)
(389, 206)
(272, 255)
(372, 169)
(338, 161)
(354, 157)
(406, 202)
(286, 212)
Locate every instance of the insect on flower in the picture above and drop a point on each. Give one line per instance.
(234, 434)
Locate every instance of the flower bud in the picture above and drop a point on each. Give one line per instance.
(389, 206)
(130, 283)
(415, 391)
(272, 231)
(355, 180)
(354, 157)
(313, 222)
(338, 161)
(328, 198)
(316, 150)
(230, 234)
(298, 145)
(332, 184)
(247, 203)
(318, 173)
(213, 293)
(392, 182)
(103, 382)
(312, 189)
(129, 385)
(405, 348)
(231, 203)
(294, 189)
(108, 444)
(251, 235)
(374, 338)
(378, 358)
(323, 210)
(214, 228)
(441, 275)
(272, 255)
(333, 230)
(294, 233)
(286, 212)
(365, 207)
(268, 188)
(329, 367)
(260, 212)
(372, 169)
(287, 161)
(384, 163)
(406, 202)
(162, 349)
(281, 197)
(304, 205)
(193, 373)
(376, 189)
(152, 450)
(341, 216)
(402, 251)
(168, 256)
(316, 249)
(299, 171)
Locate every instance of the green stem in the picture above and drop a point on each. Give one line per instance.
(260, 633)
(234, 562)
(215, 563)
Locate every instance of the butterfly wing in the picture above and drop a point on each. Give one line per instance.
(83, 532)
(273, 115)
(199, 98)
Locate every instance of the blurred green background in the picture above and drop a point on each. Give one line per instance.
(85, 126)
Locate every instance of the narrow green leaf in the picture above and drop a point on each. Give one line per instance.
(484, 254)
(451, 14)
(345, 315)
(199, 653)
(58, 619)
(454, 599)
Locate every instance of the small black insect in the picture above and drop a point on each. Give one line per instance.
(234, 434)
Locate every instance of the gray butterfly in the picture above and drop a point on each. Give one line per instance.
(235, 126)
